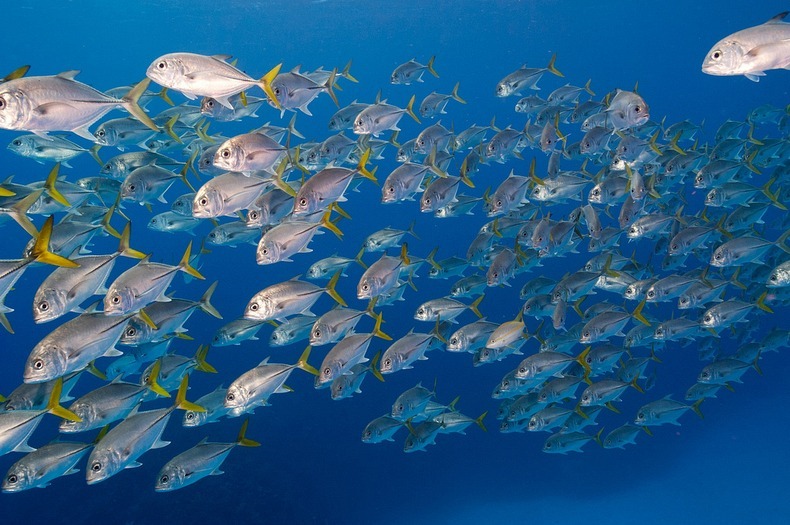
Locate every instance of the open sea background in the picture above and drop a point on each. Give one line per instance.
(731, 467)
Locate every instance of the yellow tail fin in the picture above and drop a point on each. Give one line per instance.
(181, 398)
(41, 251)
(184, 264)
(53, 406)
(242, 440)
(330, 289)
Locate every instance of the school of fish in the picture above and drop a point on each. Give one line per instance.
(672, 243)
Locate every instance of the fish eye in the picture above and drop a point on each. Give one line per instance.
(212, 234)
(365, 287)
(428, 200)
(716, 55)
(190, 416)
(522, 370)
(400, 407)
(596, 191)
(708, 318)
(387, 362)
(368, 433)
(225, 153)
(100, 133)
(303, 202)
(164, 479)
(230, 397)
(116, 299)
(586, 333)
(637, 109)
(17, 142)
(773, 277)
(43, 306)
(641, 415)
(210, 103)
(254, 307)
(317, 333)
(2, 103)
(162, 65)
(203, 201)
(132, 187)
(38, 364)
(275, 336)
(130, 331)
(96, 466)
(717, 256)
(651, 293)
(675, 247)
(327, 371)
(12, 479)
(276, 91)
(391, 189)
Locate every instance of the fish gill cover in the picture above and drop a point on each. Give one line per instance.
(507, 262)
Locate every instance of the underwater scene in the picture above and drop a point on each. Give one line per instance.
(342, 262)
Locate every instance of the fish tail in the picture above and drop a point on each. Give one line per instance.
(49, 185)
(200, 357)
(696, 408)
(394, 138)
(54, 408)
(782, 241)
(18, 212)
(374, 369)
(774, 197)
(123, 245)
(552, 68)
(597, 437)
(587, 88)
(429, 65)
(358, 258)
(346, 73)
(130, 103)
(201, 130)
(41, 251)
(455, 94)
(430, 259)
(330, 289)
(205, 301)
(330, 87)
(466, 180)
(302, 362)
(185, 266)
(437, 332)
(430, 161)
(292, 127)
(475, 304)
(185, 170)
(164, 96)
(734, 279)
(579, 411)
(638, 313)
(748, 162)
(750, 137)
(636, 386)
(151, 380)
(169, 128)
(94, 151)
(105, 222)
(6, 193)
(479, 421)
(101, 434)
(265, 83)
(242, 440)
(410, 109)
(92, 370)
(362, 167)
(329, 225)
(577, 306)
(761, 303)
(181, 398)
(7, 325)
(581, 359)
(611, 407)
(673, 144)
(377, 328)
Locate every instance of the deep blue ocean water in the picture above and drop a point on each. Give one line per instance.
(312, 467)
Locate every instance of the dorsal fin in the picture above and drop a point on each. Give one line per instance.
(69, 74)
(778, 18)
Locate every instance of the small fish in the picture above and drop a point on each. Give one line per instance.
(204, 459)
(412, 71)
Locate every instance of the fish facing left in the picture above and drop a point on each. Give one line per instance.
(752, 51)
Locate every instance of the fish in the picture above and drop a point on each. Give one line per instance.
(61, 103)
(412, 71)
(288, 298)
(196, 75)
(752, 51)
(348, 352)
(380, 117)
(143, 284)
(204, 459)
(254, 387)
(524, 78)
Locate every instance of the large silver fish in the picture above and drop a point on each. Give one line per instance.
(752, 51)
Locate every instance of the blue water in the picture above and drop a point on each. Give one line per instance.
(312, 467)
